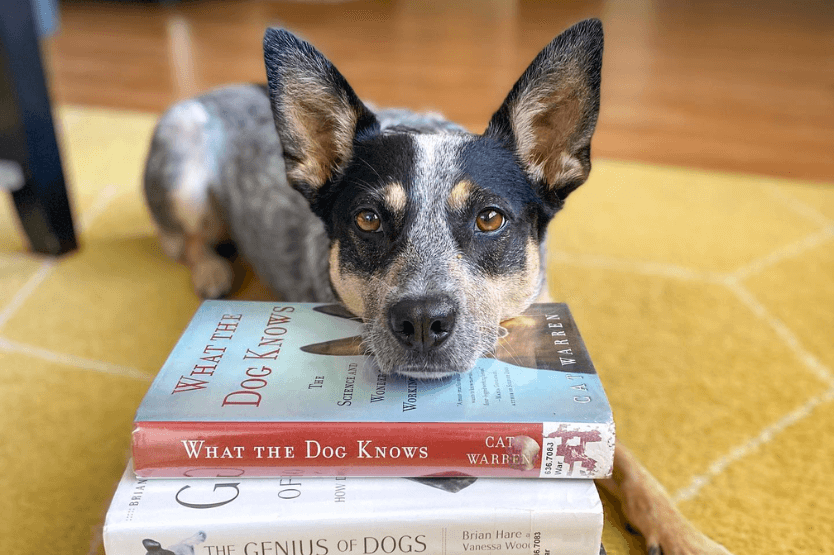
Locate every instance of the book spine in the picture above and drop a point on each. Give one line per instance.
(264, 449)
(508, 532)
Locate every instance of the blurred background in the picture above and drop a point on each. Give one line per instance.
(717, 84)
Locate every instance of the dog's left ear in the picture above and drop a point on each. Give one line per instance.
(316, 112)
(550, 114)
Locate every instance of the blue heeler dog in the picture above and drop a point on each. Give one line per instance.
(430, 234)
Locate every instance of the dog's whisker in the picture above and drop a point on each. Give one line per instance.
(373, 169)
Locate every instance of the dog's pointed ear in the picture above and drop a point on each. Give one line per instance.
(316, 112)
(550, 114)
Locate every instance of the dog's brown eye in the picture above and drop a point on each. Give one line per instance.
(368, 220)
(489, 220)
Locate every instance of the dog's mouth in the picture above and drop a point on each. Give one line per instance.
(424, 373)
(456, 357)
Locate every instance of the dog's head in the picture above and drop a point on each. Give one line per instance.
(436, 237)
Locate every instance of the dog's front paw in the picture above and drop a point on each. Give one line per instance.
(704, 546)
(668, 533)
(649, 510)
(682, 539)
(212, 277)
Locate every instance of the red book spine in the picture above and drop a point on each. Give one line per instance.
(265, 449)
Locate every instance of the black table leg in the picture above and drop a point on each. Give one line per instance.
(27, 134)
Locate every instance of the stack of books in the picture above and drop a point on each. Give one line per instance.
(268, 431)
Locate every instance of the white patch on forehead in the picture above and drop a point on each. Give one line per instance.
(435, 165)
(430, 245)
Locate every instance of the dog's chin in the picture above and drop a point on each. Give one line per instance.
(434, 367)
(423, 373)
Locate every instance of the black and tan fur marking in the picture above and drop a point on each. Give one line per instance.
(432, 235)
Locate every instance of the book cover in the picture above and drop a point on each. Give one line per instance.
(354, 516)
(269, 389)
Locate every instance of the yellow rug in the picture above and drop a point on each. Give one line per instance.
(706, 300)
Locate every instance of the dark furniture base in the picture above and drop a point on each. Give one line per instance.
(27, 134)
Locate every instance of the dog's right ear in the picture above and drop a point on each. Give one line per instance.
(550, 114)
(316, 112)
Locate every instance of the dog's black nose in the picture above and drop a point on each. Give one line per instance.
(422, 324)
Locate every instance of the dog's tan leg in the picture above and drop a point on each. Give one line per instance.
(202, 229)
(649, 509)
(172, 243)
(211, 274)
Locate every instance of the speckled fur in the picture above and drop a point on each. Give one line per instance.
(269, 221)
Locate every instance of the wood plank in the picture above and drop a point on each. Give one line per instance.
(727, 85)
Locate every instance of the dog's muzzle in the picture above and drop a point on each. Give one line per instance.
(422, 324)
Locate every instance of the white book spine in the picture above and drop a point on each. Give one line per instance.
(216, 517)
(368, 534)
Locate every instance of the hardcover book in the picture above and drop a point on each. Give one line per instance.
(354, 516)
(272, 389)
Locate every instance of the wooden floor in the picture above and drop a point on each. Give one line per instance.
(731, 85)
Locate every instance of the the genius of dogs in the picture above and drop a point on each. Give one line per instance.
(430, 234)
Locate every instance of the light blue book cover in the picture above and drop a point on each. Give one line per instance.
(272, 387)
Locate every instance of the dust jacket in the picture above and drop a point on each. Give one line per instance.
(263, 389)
(354, 516)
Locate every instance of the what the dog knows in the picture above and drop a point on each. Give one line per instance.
(268, 348)
(311, 449)
(513, 451)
